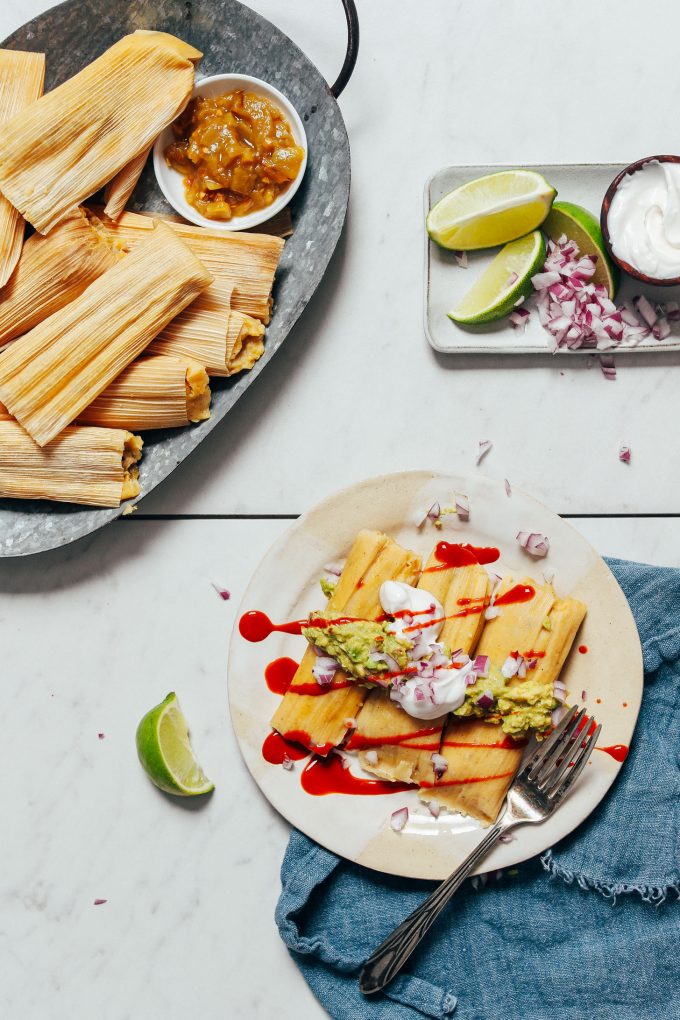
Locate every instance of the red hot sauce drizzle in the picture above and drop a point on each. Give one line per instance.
(276, 748)
(279, 674)
(461, 554)
(322, 776)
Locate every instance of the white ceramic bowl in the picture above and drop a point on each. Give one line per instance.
(171, 182)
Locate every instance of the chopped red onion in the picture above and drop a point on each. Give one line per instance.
(435, 512)
(608, 367)
(548, 576)
(559, 690)
(661, 329)
(646, 310)
(506, 837)
(98, 903)
(583, 695)
(511, 666)
(491, 612)
(519, 317)
(462, 507)
(376, 657)
(439, 764)
(485, 700)
(508, 487)
(484, 447)
(371, 757)
(399, 819)
(288, 763)
(557, 714)
(534, 543)
(101, 736)
(481, 666)
(222, 592)
(333, 568)
(434, 808)
(461, 258)
(624, 454)
(324, 669)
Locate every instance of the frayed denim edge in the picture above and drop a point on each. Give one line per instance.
(647, 893)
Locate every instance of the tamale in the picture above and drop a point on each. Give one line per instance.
(51, 374)
(152, 393)
(22, 76)
(53, 271)
(65, 146)
(247, 262)
(209, 332)
(321, 720)
(118, 190)
(92, 466)
(408, 758)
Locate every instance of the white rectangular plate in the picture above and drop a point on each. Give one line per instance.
(446, 281)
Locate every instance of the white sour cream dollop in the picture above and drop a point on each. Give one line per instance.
(644, 220)
(437, 687)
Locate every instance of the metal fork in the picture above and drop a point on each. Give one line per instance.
(539, 787)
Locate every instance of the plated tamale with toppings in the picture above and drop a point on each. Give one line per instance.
(92, 466)
(153, 393)
(22, 77)
(68, 144)
(51, 374)
(54, 270)
(245, 261)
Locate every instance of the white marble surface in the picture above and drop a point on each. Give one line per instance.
(96, 633)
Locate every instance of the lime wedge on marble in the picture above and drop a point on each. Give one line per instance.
(166, 754)
(581, 226)
(491, 210)
(504, 282)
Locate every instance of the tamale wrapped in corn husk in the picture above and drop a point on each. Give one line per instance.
(152, 393)
(67, 145)
(22, 76)
(247, 262)
(482, 758)
(51, 374)
(117, 191)
(92, 466)
(54, 270)
(321, 720)
(401, 745)
(208, 331)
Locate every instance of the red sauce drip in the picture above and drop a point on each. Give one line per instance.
(518, 593)
(276, 748)
(470, 779)
(461, 554)
(279, 674)
(256, 626)
(360, 583)
(326, 775)
(618, 752)
(508, 743)
(532, 654)
(358, 742)
(315, 690)
(301, 737)
(583, 649)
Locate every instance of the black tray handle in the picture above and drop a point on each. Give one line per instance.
(352, 48)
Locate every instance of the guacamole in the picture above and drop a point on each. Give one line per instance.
(328, 587)
(519, 704)
(352, 644)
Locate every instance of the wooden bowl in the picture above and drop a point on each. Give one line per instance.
(604, 214)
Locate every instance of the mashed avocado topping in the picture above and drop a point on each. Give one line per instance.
(519, 704)
(355, 644)
(328, 587)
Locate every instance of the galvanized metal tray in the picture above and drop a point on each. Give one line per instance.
(446, 281)
(232, 38)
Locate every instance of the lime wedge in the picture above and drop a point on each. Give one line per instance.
(581, 226)
(165, 752)
(491, 210)
(504, 282)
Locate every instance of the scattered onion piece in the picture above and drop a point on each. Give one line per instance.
(519, 317)
(485, 700)
(462, 506)
(439, 764)
(288, 764)
(534, 543)
(399, 819)
(484, 447)
(222, 592)
(101, 736)
(508, 487)
(461, 258)
(98, 902)
(434, 808)
(608, 367)
(481, 666)
(506, 837)
(548, 576)
(624, 454)
(491, 612)
(372, 757)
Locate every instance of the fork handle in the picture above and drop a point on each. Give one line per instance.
(388, 959)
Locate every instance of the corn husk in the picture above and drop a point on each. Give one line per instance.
(92, 466)
(322, 721)
(153, 393)
(209, 332)
(247, 262)
(403, 745)
(67, 145)
(22, 77)
(50, 375)
(118, 191)
(53, 271)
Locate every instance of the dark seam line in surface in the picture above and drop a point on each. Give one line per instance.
(294, 517)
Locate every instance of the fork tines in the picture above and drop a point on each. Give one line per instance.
(568, 747)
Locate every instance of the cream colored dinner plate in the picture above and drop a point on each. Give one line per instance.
(608, 678)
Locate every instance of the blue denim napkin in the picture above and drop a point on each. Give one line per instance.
(592, 929)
